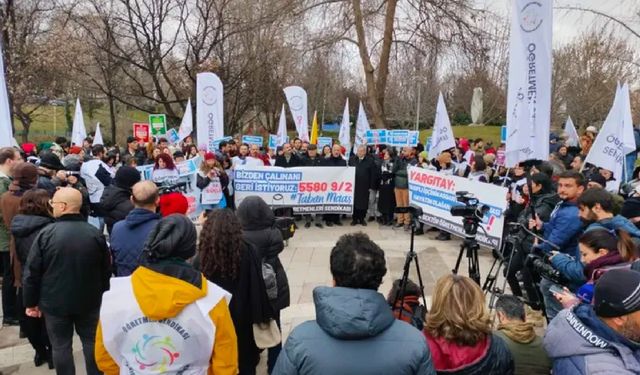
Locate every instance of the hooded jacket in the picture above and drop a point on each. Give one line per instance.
(615, 223)
(128, 237)
(490, 356)
(578, 342)
(258, 229)
(526, 348)
(160, 296)
(116, 204)
(25, 228)
(354, 333)
(563, 229)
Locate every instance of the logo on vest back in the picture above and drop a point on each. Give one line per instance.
(155, 353)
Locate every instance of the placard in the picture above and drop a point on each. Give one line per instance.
(398, 138)
(172, 136)
(435, 193)
(253, 140)
(158, 124)
(376, 136)
(216, 144)
(141, 132)
(324, 141)
(307, 190)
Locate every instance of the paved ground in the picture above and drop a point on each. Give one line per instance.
(306, 259)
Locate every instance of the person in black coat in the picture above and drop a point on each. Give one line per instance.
(288, 159)
(335, 160)
(387, 197)
(312, 160)
(235, 265)
(259, 230)
(67, 270)
(365, 180)
(116, 199)
(33, 215)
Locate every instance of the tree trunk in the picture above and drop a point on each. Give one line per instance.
(26, 125)
(112, 116)
(387, 41)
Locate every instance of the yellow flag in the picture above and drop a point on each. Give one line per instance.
(314, 129)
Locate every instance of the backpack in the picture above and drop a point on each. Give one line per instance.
(270, 280)
(413, 312)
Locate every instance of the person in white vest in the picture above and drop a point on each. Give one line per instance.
(166, 317)
(97, 175)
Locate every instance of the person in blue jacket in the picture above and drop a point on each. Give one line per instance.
(562, 231)
(355, 331)
(596, 208)
(129, 235)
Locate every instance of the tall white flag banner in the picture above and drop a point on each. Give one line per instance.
(186, 126)
(573, 139)
(615, 138)
(362, 125)
(297, 99)
(529, 86)
(345, 136)
(442, 138)
(78, 132)
(209, 109)
(97, 139)
(282, 127)
(6, 131)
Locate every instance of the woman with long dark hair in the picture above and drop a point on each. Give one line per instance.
(34, 213)
(164, 169)
(387, 198)
(228, 261)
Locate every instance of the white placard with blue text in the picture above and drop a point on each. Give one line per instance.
(252, 140)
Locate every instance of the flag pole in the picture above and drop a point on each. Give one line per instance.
(418, 106)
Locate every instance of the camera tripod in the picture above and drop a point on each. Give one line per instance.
(489, 286)
(469, 248)
(411, 257)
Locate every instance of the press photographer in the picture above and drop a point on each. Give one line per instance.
(541, 201)
(562, 231)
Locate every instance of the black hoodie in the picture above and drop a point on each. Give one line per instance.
(25, 228)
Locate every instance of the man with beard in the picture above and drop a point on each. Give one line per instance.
(603, 338)
(596, 211)
(562, 230)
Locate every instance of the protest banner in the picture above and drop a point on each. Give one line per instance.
(253, 140)
(141, 132)
(324, 141)
(398, 138)
(376, 136)
(529, 86)
(362, 125)
(307, 190)
(414, 138)
(435, 193)
(345, 129)
(442, 137)
(97, 138)
(187, 182)
(282, 129)
(209, 109)
(500, 158)
(186, 126)
(573, 139)
(158, 124)
(503, 134)
(215, 145)
(78, 131)
(6, 130)
(172, 136)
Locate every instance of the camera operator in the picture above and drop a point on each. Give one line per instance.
(596, 207)
(542, 201)
(562, 230)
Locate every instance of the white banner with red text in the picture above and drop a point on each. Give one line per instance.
(307, 190)
(435, 193)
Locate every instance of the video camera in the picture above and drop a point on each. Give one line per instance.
(537, 261)
(180, 187)
(471, 208)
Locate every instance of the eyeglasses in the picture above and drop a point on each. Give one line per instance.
(51, 203)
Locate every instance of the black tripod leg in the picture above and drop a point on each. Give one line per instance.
(455, 270)
(424, 299)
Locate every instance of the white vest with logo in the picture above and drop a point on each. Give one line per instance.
(139, 345)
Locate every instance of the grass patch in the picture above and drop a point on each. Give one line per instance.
(491, 133)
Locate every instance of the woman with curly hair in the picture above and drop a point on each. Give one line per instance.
(164, 169)
(228, 261)
(458, 331)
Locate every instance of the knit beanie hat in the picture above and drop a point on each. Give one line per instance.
(173, 203)
(126, 177)
(617, 293)
(50, 160)
(72, 163)
(173, 237)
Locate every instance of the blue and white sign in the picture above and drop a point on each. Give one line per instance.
(273, 141)
(376, 136)
(398, 138)
(216, 144)
(331, 127)
(324, 141)
(252, 140)
(503, 134)
(172, 136)
(414, 138)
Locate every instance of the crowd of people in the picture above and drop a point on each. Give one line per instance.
(89, 245)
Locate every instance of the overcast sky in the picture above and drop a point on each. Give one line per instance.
(569, 24)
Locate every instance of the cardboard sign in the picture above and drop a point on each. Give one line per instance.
(399, 138)
(141, 132)
(252, 140)
(172, 136)
(158, 124)
(324, 141)
(376, 136)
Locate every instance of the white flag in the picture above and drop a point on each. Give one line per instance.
(345, 137)
(529, 86)
(209, 109)
(573, 139)
(6, 131)
(297, 99)
(186, 126)
(362, 125)
(78, 132)
(282, 128)
(442, 138)
(615, 138)
(97, 139)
